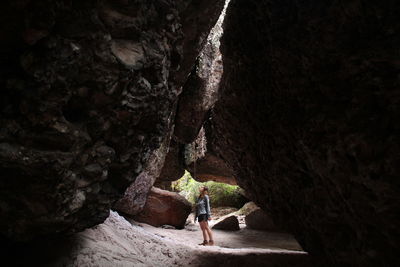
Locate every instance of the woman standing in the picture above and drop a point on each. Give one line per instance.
(203, 215)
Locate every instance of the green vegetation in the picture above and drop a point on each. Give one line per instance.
(221, 195)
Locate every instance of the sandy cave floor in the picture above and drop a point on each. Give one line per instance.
(118, 242)
(244, 238)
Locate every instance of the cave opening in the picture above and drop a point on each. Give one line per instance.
(236, 221)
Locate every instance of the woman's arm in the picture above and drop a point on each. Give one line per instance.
(196, 212)
(208, 209)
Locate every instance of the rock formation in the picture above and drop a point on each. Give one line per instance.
(259, 220)
(200, 91)
(164, 207)
(228, 223)
(89, 91)
(135, 196)
(307, 119)
(199, 95)
(203, 163)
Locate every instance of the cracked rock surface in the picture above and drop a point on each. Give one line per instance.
(88, 94)
(308, 120)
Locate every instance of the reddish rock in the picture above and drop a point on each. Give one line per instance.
(212, 168)
(164, 207)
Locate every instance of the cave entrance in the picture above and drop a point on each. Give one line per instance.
(236, 222)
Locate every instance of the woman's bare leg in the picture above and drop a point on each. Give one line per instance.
(209, 232)
(204, 230)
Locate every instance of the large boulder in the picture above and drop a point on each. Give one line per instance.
(88, 96)
(308, 120)
(259, 220)
(164, 208)
(228, 223)
(212, 168)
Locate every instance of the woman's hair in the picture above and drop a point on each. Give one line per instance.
(204, 191)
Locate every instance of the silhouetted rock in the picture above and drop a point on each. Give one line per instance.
(259, 220)
(229, 223)
(308, 120)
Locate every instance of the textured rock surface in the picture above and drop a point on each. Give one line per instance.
(229, 223)
(212, 168)
(259, 220)
(308, 119)
(197, 18)
(164, 207)
(201, 89)
(88, 89)
(199, 96)
(135, 196)
(203, 163)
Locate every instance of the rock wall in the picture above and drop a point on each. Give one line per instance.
(308, 119)
(88, 94)
(200, 91)
(136, 195)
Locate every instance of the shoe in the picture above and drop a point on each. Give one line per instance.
(210, 243)
(205, 243)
